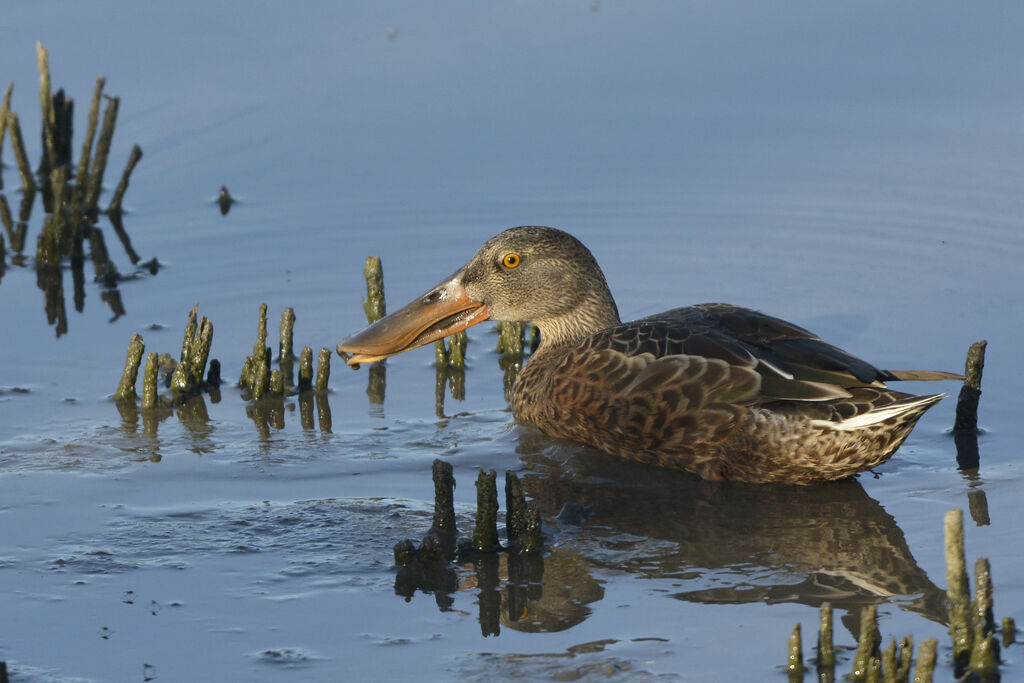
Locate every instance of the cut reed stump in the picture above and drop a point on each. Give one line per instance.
(126, 389)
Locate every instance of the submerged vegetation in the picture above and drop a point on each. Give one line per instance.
(972, 629)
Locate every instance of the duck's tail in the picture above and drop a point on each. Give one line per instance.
(922, 375)
(906, 410)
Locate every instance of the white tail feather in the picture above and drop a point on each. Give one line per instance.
(877, 415)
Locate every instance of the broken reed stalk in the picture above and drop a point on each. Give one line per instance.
(20, 157)
(970, 392)
(99, 163)
(1009, 629)
(126, 389)
(5, 107)
(323, 369)
(485, 534)
(285, 350)
(115, 202)
(795, 661)
(925, 661)
(867, 645)
(195, 350)
(444, 498)
(82, 174)
(149, 377)
(305, 370)
(259, 377)
(956, 578)
(515, 509)
(826, 649)
(374, 305)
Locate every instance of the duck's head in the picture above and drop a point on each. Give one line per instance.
(526, 274)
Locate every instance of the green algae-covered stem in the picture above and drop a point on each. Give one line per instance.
(46, 105)
(984, 657)
(826, 650)
(440, 355)
(867, 644)
(64, 224)
(126, 389)
(925, 661)
(515, 509)
(889, 667)
(82, 174)
(984, 619)
(149, 376)
(286, 350)
(485, 535)
(970, 392)
(305, 369)
(276, 382)
(374, 305)
(259, 377)
(200, 351)
(1009, 629)
(906, 660)
(957, 592)
(122, 186)
(795, 660)
(444, 498)
(20, 157)
(457, 350)
(99, 163)
(323, 369)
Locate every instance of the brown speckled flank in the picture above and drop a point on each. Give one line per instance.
(718, 390)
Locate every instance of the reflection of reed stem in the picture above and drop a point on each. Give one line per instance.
(126, 389)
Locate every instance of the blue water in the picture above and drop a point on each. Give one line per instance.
(856, 170)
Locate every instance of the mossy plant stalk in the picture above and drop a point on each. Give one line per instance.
(126, 389)
(82, 173)
(960, 627)
(149, 377)
(99, 162)
(323, 369)
(444, 498)
(286, 350)
(795, 661)
(20, 157)
(5, 107)
(122, 186)
(305, 369)
(485, 535)
(46, 105)
(970, 392)
(259, 379)
(867, 645)
(1009, 629)
(826, 649)
(515, 509)
(925, 661)
(374, 304)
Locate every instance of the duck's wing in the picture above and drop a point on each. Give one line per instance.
(792, 363)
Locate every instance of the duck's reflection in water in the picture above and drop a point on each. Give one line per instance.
(730, 543)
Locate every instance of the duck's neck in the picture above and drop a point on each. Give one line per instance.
(595, 312)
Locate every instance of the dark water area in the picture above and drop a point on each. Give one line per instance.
(856, 170)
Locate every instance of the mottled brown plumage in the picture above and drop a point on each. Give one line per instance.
(719, 390)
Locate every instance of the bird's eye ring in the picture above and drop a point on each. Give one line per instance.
(511, 260)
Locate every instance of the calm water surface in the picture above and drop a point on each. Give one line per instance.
(855, 170)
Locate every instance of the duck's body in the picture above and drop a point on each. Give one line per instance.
(718, 390)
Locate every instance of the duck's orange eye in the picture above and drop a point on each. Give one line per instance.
(511, 260)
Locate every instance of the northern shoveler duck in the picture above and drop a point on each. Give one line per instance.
(718, 390)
